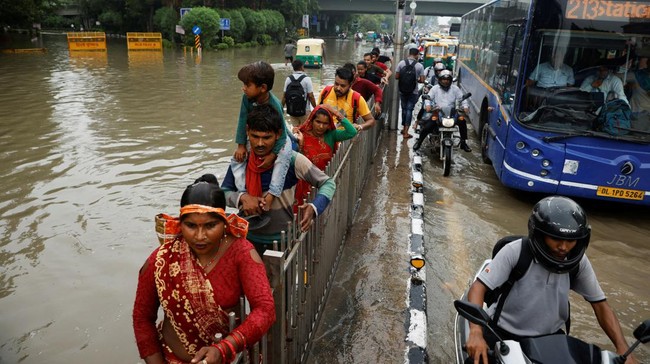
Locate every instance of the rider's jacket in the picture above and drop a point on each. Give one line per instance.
(446, 100)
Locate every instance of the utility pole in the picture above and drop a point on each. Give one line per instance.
(398, 52)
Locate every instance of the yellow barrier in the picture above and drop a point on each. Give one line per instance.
(144, 41)
(87, 41)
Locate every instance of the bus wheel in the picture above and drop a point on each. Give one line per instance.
(485, 134)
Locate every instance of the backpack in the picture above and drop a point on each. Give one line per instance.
(614, 118)
(355, 100)
(295, 97)
(499, 294)
(407, 78)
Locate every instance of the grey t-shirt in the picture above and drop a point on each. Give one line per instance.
(538, 302)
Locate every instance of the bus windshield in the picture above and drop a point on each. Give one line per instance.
(581, 58)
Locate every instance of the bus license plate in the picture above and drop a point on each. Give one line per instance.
(620, 193)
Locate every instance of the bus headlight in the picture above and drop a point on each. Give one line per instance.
(543, 173)
(535, 153)
(520, 145)
(546, 163)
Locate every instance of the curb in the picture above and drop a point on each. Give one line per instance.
(416, 324)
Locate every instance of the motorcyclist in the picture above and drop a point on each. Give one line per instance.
(444, 96)
(432, 72)
(537, 305)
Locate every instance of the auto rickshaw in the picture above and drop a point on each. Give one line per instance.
(452, 52)
(311, 52)
(433, 50)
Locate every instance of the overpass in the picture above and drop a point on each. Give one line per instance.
(424, 7)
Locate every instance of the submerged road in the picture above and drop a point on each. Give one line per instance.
(464, 215)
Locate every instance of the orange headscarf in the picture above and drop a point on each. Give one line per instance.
(169, 227)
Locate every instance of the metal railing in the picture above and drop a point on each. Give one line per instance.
(301, 266)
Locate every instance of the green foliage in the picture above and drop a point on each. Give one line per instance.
(207, 19)
(222, 46)
(264, 39)
(111, 20)
(229, 41)
(255, 23)
(293, 11)
(274, 23)
(164, 21)
(253, 44)
(55, 21)
(167, 44)
(237, 25)
(369, 23)
(21, 14)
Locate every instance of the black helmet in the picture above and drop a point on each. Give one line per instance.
(561, 218)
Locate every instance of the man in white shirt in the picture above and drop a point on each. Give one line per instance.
(604, 81)
(552, 74)
(298, 71)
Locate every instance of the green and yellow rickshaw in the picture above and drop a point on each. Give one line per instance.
(311, 52)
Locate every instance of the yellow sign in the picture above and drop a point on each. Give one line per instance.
(144, 41)
(620, 193)
(609, 10)
(87, 41)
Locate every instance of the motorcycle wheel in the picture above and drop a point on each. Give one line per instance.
(446, 161)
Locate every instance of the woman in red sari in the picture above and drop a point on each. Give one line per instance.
(198, 273)
(318, 138)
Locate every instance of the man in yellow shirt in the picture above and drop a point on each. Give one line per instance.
(341, 96)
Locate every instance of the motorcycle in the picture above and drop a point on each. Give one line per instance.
(424, 91)
(558, 348)
(448, 136)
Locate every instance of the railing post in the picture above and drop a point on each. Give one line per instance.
(274, 262)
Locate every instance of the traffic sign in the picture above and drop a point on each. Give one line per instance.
(185, 11)
(196, 30)
(224, 24)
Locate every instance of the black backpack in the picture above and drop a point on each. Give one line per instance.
(499, 294)
(295, 98)
(407, 77)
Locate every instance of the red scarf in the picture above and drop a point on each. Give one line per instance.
(254, 175)
(316, 150)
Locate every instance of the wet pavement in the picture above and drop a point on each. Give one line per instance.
(364, 316)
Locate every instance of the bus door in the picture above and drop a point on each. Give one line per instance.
(504, 80)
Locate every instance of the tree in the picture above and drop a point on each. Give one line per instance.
(205, 18)
(165, 20)
(369, 23)
(237, 25)
(255, 23)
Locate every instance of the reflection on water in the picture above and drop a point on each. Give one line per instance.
(93, 145)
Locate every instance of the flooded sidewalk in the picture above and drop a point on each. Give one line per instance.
(366, 310)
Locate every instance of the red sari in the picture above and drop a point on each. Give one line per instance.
(193, 301)
(315, 149)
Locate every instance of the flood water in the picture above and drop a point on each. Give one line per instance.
(93, 146)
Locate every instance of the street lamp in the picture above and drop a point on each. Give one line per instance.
(412, 5)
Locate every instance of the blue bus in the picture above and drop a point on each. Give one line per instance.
(552, 138)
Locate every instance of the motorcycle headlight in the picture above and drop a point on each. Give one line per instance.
(447, 122)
